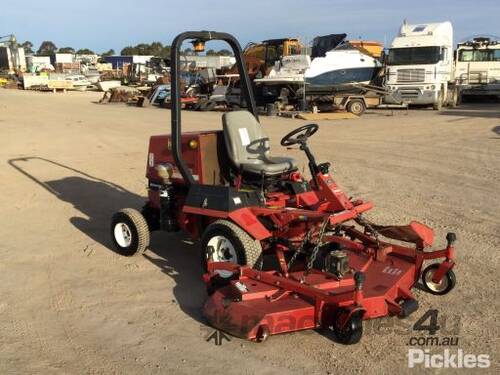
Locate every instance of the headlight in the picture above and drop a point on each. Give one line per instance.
(165, 171)
(193, 144)
(433, 87)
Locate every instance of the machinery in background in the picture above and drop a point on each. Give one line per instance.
(338, 74)
(268, 52)
(12, 57)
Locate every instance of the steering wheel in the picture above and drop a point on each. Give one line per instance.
(299, 135)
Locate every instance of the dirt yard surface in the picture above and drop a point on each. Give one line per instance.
(69, 304)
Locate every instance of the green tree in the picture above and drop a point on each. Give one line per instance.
(155, 49)
(225, 52)
(142, 49)
(129, 50)
(28, 47)
(211, 52)
(165, 52)
(85, 51)
(110, 52)
(66, 50)
(46, 48)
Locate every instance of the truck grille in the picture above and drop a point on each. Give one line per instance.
(411, 75)
(409, 94)
(477, 77)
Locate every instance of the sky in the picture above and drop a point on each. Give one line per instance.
(101, 25)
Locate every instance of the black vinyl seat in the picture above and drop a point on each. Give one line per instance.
(248, 146)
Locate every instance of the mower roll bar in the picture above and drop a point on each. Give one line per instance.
(175, 89)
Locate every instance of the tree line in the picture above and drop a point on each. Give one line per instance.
(48, 47)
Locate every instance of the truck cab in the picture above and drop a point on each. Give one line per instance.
(419, 66)
(478, 67)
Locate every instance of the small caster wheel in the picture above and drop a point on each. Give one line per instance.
(130, 232)
(446, 284)
(352, 331)
(262, 334)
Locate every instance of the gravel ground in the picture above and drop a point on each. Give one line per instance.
(70, 305)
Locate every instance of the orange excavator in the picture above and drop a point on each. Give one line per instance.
(260, 57)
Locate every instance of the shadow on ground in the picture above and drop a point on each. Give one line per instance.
(485, 110)
(98, 199)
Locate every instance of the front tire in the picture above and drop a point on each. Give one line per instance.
(224, 241)
(454, 99)
(446, 284)
(439, 104)
(130, 232)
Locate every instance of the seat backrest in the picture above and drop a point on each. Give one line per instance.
(246, 141)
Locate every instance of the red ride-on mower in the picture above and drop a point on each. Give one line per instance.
(281, 253)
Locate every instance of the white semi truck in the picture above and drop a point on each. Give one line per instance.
(420, 66)
(477, 69)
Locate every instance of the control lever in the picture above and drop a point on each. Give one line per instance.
(324, 168)
(451, 238)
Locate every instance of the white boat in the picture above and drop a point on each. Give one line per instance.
(341, 67)
(79, 82)
(332, 65)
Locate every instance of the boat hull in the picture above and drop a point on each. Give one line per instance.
(344, 76)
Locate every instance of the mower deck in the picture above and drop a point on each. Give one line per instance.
(259, 299)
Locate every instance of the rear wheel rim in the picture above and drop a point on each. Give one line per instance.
(123, 234)
(356, 107)
(435, 287)
(220, 249)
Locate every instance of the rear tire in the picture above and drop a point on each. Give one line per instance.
(224, 241)
(356, 107)
(130, 232)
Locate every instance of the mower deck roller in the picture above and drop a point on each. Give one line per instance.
(280, 252)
